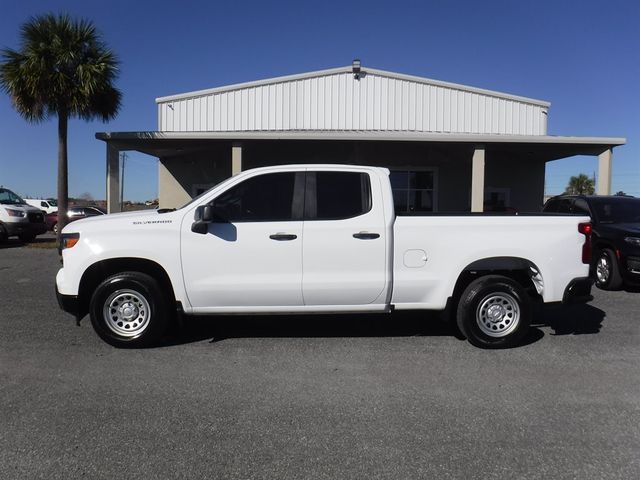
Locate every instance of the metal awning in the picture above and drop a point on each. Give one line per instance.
(542, 147)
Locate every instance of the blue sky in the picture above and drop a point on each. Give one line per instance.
(583, 57)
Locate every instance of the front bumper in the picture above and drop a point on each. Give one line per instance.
(578, 291)
(15, 229)
(68, 303)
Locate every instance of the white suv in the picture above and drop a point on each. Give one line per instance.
(17, 219)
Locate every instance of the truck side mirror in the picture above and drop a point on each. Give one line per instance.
(202, 218)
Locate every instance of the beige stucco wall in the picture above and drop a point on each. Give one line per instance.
(452, 162)
(178, 174)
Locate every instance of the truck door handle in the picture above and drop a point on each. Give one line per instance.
(281, 237)
(366, 235)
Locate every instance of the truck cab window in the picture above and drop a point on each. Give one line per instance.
(337, 195)
(265, 198)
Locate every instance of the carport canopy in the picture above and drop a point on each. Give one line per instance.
(542, 148)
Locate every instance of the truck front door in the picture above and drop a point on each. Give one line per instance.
(251, 256)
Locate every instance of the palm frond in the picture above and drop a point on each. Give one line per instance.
(62, 67)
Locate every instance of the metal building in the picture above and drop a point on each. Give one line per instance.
(449, 147)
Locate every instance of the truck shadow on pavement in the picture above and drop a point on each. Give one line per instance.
(396, 324)
(562, 319)
(580, 319)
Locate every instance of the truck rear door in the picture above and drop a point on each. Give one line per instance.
(344, 240)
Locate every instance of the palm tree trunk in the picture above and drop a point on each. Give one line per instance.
(63, 177)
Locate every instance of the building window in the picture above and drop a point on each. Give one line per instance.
(497, 199)
(413, 191)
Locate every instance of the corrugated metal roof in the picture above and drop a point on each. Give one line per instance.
(348, 69)
(333, 100)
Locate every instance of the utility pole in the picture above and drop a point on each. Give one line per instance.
(123, 156)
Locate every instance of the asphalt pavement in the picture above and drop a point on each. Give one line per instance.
(321, 397)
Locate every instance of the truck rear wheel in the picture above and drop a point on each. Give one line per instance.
(494, 312)
(128, 310)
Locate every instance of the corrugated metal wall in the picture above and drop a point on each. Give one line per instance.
(339, 102)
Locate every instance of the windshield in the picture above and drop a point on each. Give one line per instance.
(7, 197)
(53, 203)
(616, 209)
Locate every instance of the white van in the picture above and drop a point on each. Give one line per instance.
(47, 206)
(17, 219)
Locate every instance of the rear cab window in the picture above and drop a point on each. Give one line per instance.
(337, 195)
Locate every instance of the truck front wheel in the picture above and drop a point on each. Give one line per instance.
(494, 312)
(128, 310)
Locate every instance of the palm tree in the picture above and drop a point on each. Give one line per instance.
(580, 185)
(63, 69)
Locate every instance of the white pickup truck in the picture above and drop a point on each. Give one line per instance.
(315, 239)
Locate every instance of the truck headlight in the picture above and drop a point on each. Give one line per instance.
(16, 213)
(635, 241)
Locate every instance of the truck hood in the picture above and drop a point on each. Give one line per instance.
(23, 207)
(122, 220)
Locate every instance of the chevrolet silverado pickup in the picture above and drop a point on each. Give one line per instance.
(317, 239)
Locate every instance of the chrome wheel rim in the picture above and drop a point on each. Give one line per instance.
(126, 313)
(498, 314)
(603, 269)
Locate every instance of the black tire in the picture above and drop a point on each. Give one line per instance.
(27, 237)
(494, 312)
(3, 234)
(129, 310)
(607, 271)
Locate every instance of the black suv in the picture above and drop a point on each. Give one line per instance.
(615, 235)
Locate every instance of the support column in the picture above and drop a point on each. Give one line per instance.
(236, 159)
(604, 172)
(113, 179)
(477, 179)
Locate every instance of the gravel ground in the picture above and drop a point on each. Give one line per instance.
(393, 396)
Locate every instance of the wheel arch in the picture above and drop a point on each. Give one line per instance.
(99, 271)
(602, 244)
(521, 270)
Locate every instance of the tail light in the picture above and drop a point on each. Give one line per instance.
(586, 229)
